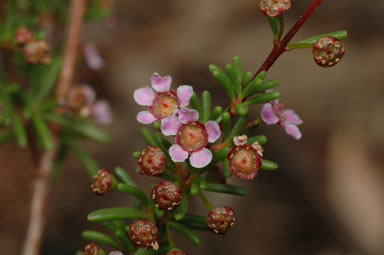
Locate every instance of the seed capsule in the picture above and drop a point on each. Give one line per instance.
(244, 161)
(328, 51)
(152, 161)
(103, 182)
(166, 195)
(274, 8)
(221, 219)
(91, 249)
(144, 234)
(176, 252)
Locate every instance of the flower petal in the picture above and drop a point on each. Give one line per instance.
(170, 125)
(188, 115)
(145, 117)
(161, 84)
(184, 93)
(177, 153)
(213, 131)
(201, 158)
(92, 57)
(290, 117)
(293, 131)
(268, 114)
(144, 96)
(101, 112)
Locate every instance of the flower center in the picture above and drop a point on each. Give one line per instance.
(192, 136)
(164, 105)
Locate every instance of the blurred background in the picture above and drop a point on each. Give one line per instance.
(327, 198)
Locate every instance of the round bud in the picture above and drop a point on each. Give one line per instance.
(23, 36)
(244, 161)
(91, 249)
(328, 51)
(166, 195)
(115, 253)
(274, 8)
(221, 219)
(103, 182)
(152, 161)
(144, 234)
(176, 252)
(80, 99)
(36, 52)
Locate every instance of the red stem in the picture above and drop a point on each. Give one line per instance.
(280, 48)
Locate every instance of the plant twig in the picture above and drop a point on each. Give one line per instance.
(41, 183)
(280, 48)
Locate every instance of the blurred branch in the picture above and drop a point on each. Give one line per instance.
(41, 183)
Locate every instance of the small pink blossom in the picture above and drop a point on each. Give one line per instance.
(161, 100)
(192, 137)
(274, 113)
(92, 57)
(101, 112)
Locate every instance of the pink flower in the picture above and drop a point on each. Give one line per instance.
(274, 113)
(192, 137)
(92, 57)
(101, 112)
(163, 102)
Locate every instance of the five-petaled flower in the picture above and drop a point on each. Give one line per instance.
(192, 137)
(274, 113)
(163, 102)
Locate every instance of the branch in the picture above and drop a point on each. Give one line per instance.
(41, 183)
(280, 48)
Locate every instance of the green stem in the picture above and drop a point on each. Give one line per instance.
(281, 28)
(171, 241)
(205, 201)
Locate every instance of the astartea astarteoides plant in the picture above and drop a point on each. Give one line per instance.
(198, 148)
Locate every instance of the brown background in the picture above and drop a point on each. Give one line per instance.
(327, 196)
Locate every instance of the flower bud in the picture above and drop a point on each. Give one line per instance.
(103, 182)
(36, 52)
(144, 234)
(328, 51)
(176, 252)
(274, 8)
(221, 219)
(91, 249)
(245, 161)
(166, 195)
(80, 99)
(23, 36)
(115, 253)
(152, 161)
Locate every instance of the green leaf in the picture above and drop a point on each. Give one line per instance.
(233, 77)
(169, 175)
(308, 43)
(195, 102)
(182, 209)
(263, 98)
(124, 176)
(136, 154)
(19, 131)
(226, 171)
(242, 109)
(252, 87)
(49, 80)
(134, 191)
(101, 238)
(274, 24)
(267, 85)
(202, 182)
(226, 124)
(186, 232)
(206, 110)
(195, 188)
(117, 213)
(60, 161)
(216, 112)
(84, 157)
(223, 80)
(44, 133)
(246, 78)
(219, 155)
(227, 188)
(149, 137)
(261, 139)
(269, 165)
(236, 64)
(238, 125)
(195, 221)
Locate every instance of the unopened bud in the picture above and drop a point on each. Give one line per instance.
(36, 52)
(152, 161)
(80, 99)
(23, 36)
(144, 234)
(176, 252)
(91, 249)
(221, 219)
(328, 51)
(166, 195)
(103, 182)
(274, 8)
